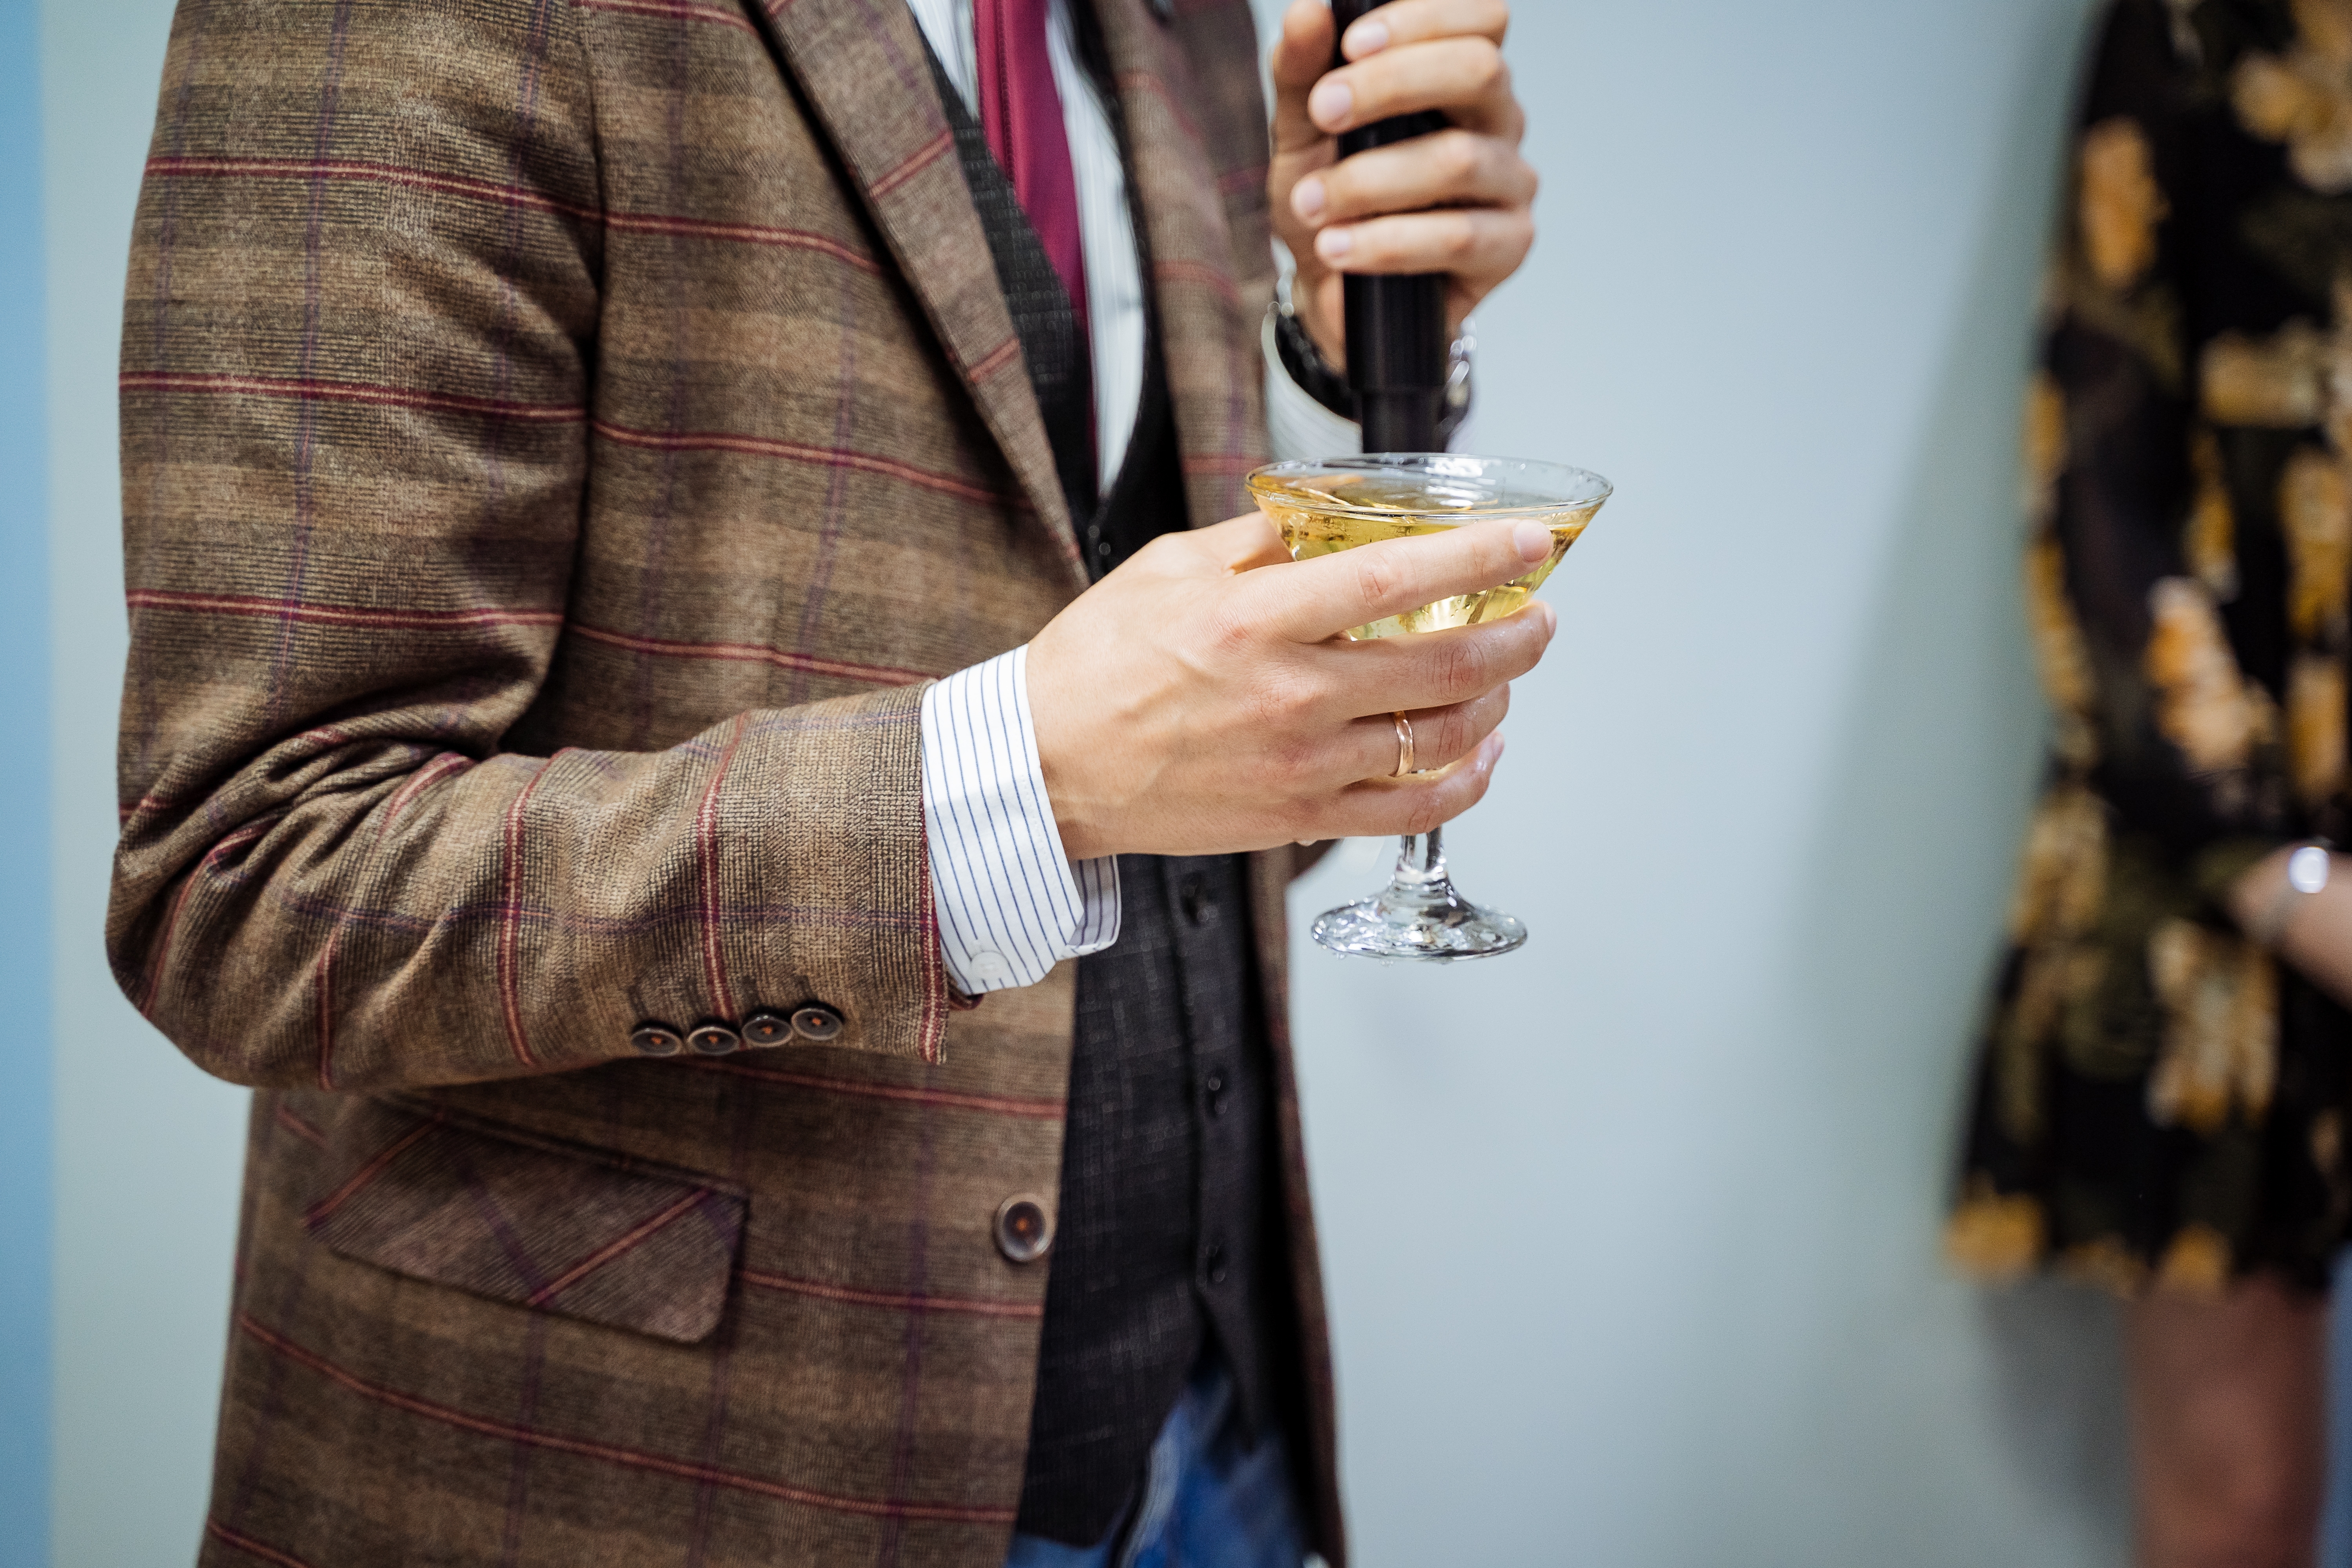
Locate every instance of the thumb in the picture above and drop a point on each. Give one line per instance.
(1301, 56)
(1242, 543)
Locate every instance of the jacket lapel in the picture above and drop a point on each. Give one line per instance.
(860, 64)
(1209, 312)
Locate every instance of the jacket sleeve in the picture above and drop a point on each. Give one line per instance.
(356, 381)
(2131, 571)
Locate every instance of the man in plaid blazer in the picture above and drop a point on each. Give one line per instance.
(563, 442)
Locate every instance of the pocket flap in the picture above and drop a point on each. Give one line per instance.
(540, 1225)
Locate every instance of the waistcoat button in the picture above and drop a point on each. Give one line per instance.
(1212, 1264)
(767, 1027)
(714, 1039)
(1024, 1231)
(817, 1024)
(657, 1041)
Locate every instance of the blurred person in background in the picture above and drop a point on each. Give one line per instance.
(2161, 1099)
(725, 1096)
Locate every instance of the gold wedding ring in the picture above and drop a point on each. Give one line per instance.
(1405, 747)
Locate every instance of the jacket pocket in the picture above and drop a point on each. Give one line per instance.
(546, 1225)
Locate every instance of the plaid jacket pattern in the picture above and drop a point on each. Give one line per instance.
(560, 439)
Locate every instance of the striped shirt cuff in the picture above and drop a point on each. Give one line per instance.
(1011, 905)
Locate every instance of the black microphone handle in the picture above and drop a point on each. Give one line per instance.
(1395, 325)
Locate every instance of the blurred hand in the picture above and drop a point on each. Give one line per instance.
(1200, 700)
(1456, 202)
(2317, 939)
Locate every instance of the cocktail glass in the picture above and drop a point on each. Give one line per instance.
(1342, 503)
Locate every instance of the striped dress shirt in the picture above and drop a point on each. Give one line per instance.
(1011, 903)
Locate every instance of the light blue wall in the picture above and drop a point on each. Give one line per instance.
(25, 1137)
(147, 1146)
(1633, 1238)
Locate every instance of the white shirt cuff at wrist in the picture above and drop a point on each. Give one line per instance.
(1299, 429)
(1011, 904)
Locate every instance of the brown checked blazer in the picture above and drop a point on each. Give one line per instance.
(560, 439)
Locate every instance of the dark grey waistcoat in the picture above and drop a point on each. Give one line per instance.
(1165, 1245)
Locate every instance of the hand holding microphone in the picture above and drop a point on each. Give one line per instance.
(1455, 202)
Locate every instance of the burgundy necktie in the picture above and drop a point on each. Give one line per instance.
(1021, 112)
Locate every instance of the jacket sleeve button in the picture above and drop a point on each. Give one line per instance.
(817, 1024)
(657, 1041)
(714, 1039)
(767, 1027)
(1024, 1230)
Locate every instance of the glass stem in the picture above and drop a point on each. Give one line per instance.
(1420, 860)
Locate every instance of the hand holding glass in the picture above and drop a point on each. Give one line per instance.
(1338, 504)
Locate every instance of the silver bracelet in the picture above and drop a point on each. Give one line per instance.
(2307, 873)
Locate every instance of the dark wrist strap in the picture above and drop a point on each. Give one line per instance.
(1306, 365)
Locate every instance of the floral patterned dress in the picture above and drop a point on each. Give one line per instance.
(2158, 1102)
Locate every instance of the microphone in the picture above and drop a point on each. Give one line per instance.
(1395, 326)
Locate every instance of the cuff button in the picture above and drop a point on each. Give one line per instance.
(767, 1027)
(715, 1040)
(657, 1041)
(817, 1024)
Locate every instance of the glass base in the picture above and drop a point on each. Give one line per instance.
(1430, 924)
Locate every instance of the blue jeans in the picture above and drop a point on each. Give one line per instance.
(1206, 1502)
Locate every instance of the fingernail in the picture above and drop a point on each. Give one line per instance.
(1367, 38)
(1329, 103)
(1334, 243)
(1551, 619)
(1494, 752)
(1307, 198)
(1533, 539)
